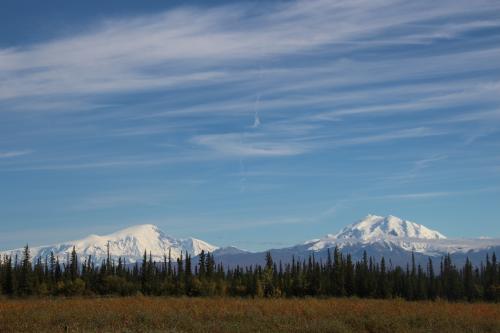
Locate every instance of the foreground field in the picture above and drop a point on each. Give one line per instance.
(140, 314)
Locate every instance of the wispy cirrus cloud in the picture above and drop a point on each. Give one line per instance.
(249, 145)
(360, 103)
(409, 133)
(185, 45)
(430, 195)
(14, 153)
(422, 195)
(284, 141)
(226, 44)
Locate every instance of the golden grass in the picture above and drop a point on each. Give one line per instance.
(149, 314)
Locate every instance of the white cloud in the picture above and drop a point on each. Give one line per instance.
(429, 195)
(189, 47)
(410, 133)
(15, 153)
(183, 46)
(248, 145)
(423, 195)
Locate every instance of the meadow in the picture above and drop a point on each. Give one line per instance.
(156, 314)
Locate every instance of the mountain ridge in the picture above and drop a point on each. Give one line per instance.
(391, 237)
(129, 244)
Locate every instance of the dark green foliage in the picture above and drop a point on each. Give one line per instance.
(25, 277)
(338, 277)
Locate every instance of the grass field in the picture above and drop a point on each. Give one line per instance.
(144, 314)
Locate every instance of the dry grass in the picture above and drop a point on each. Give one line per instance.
(145, 314)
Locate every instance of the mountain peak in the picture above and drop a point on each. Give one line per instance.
(379, 227)
(129, 244)
(137, 230)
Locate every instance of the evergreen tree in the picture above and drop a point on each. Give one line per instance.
(431, 281)
(8, 276)
(202, 264)
(73, 264)
(338, 274)
(268, 276)
(349, 276)
(383, 290)
(52, 267)
(468, 280)
(25, 277)
(145, 278)
(335, 276)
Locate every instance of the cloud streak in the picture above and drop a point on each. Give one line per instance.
(248, 145)
(14, 153)
(185, 45)
(368, 100)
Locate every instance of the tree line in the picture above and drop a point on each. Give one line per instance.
(337, 276)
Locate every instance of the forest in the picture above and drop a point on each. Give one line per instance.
(338, 276)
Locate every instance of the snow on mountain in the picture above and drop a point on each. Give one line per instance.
(394, 233)
(388, 231)
(390, 237)
(379, 227)
(128, 244)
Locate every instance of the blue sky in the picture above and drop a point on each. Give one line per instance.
(255, 124)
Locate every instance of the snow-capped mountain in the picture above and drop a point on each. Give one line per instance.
(378, 227)
(129, 244)
(390, 237)
(388, 231)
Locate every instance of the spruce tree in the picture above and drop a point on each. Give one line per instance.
(73, 264)
(468, 280)
(431, 281)
(8, 280)
(25, 278)
(202, 264)
(339, 275)
(383, 284)
(268, 276)
(349, 276)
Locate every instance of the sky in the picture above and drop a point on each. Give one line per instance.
(255, 124)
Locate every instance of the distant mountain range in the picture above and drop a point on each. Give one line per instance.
(390, 237)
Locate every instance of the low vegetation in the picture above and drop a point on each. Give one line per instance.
(140, 314)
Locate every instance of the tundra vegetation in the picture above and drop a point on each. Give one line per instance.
(235, 314)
